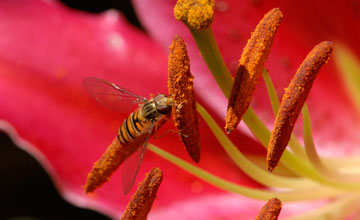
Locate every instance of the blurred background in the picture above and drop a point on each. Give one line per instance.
(26, 190)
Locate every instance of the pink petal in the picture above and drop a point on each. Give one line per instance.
(45, 52)
(305, 23)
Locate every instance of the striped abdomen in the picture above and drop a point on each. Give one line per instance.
(132, 127)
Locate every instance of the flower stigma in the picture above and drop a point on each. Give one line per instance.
(196, 14)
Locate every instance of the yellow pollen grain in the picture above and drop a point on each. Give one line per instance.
(143, 199)
(250, 66)
(197, 14)
(180, 84)
(293, 100)
(271, 210)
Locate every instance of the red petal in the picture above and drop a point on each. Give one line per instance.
(45, 52)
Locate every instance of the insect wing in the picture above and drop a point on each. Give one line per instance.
(131, 165)
(110, 95)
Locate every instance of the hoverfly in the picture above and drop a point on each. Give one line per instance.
(137, 128)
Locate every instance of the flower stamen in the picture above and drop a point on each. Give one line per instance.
(271, 210)
(143, 199)
(180, 85)
(112, 158)
(251, 64)
(293, 100)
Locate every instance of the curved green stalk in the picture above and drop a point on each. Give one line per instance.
(262, 134)
(310, 150)
(314, 156)
(347, 164)
(297, 148)
(274, 99)
(349, 67)
(257, 127)
(338, 209)
(310, 146)
(264, 177)
(292, 162)
(209, 50)
(306, 170)
(297, 165)
(294, 195)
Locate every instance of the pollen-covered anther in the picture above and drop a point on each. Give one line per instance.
(180, 84)
(250, 66)
(294, 99)
(143, 199)
(112, 158)
(271, 210)
(197, 14)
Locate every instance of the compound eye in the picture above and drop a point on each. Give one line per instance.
(164, 109)
(158, 98)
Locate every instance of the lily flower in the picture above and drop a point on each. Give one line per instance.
(46, 50)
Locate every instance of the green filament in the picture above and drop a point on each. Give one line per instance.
(209, 50)
(256, 173)
(315, 159)
(338, 209)
(349, 67)
(274, 99)
(293, 195)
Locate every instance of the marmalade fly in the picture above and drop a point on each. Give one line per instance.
(137, 128)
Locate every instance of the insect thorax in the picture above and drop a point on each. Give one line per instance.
(156, 107)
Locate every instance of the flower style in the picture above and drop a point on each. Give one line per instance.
(49, 49)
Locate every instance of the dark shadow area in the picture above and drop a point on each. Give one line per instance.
(27, 191)
(99, 6)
